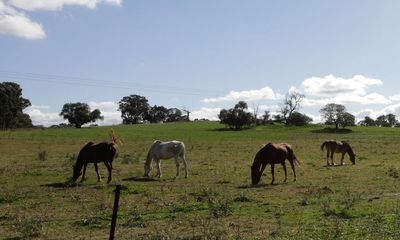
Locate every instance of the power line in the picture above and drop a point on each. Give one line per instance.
(81, 81)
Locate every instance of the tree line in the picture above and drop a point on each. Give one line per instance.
(136, 109)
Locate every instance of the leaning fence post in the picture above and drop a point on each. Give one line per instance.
(115, 211)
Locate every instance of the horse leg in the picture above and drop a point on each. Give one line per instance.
(109, 168)
(284, 169)
(158, 162)
(177, 166)
(327, 158)
(341, 160)
(185, 164)
(272, 173)
(294, 170)
(84, 171)
(97, 171)
(333, 164)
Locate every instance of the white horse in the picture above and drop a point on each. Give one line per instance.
(165, 150)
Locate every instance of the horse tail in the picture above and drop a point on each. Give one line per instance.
(323, 145)
(292, 156)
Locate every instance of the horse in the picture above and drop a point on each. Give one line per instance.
(342, 147)
(95, 153)
(273, 154)
(165, 150)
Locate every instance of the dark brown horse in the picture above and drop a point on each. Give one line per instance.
(94, 153)
(342, 147)
(273, 154)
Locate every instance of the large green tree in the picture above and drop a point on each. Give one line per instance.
(79, 114)
(157, 114)
(11, 105)
(134, 109)
(236, 117)
(298, 119)
(336, 114)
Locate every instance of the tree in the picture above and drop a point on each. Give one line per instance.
(157, 114)
(298, 119)
(175, 115)
(348, 119)
(134, 109)
(386, 120)
(266, 117)
(391, 118)
(11, 105)
(333, 114)
(368, 121)
(79, 114)
(236, 117)
(291, 103)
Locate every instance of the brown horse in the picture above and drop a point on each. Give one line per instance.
(338, 147)
(272, 154)
(94, 153)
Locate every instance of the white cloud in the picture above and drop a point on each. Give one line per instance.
(395, 98)
(109, 110)
(265, 93)
(42, 115)
(18, 24)
(14, 21)
(207, 113)
(373, 98)
(39, 117)
(331, 85)
(51, 5)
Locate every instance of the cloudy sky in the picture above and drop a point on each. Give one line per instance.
(202, 55)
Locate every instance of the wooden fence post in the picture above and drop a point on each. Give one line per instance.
(115, 211)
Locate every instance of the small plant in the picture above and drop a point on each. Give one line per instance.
(42, 155)
(393, 172)
(220, 208)
(30, 228)
(71, 157)
(135, 220)
(242, 198)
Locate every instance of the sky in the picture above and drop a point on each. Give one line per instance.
(202, 56)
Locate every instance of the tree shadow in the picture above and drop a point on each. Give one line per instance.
(224, 129)
(333, 130)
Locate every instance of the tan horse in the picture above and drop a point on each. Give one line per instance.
(272, 154)
(342, 147)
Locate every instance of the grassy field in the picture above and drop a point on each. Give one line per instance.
(216, 201)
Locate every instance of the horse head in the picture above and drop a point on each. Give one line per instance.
(77, 171)
(255, 175)
(350, 152)
(147, 169)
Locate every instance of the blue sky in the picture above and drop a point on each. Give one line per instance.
(202, 55)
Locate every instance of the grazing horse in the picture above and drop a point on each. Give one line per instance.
(338, 147)
(94, 153)
(273, 154)
(165, 150)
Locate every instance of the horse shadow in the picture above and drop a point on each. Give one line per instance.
(67, 184)
(262, 185)
(140, 179)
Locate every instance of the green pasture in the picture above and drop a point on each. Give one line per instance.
(216, 201)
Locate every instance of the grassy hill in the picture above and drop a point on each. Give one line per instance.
(343, 202)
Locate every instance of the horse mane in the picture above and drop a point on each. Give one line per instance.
(349, 149)
(115, 140)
